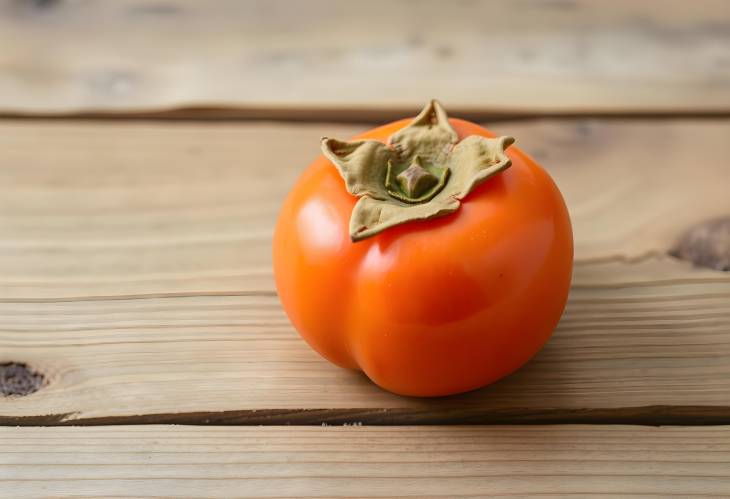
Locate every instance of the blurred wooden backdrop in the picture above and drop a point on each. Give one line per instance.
(322, 58)
(146, 146)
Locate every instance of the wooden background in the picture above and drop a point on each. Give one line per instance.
(145, 148)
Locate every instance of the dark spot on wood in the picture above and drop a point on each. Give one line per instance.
(444, 51)
(707, 245)
(18, 379)
(37, 4)
(32, 8)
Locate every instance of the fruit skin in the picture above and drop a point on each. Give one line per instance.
(433, 307)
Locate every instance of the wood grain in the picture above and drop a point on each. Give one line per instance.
(328, 58)
(109, 209)
(344, 462)
(135, 275)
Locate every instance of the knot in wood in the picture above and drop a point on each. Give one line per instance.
(707, 244)
(18, 379)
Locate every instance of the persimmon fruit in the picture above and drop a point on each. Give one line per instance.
(430, 286)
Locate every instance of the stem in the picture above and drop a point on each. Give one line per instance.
(415, 184)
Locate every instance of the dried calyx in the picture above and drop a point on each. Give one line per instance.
(422, 172)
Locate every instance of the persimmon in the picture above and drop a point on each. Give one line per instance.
(428, 253)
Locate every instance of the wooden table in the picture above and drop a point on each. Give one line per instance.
(143, 350)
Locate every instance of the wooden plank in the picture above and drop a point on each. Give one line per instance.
(135, 276)
(343, 462)
(282, 58)
(99, 208)
(645, 350)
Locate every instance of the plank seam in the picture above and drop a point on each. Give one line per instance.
(657, 415)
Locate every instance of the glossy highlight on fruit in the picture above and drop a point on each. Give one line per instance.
(428, 292)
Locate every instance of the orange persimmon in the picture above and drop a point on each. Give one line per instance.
(428, 253)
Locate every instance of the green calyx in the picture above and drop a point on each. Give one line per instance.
(415, 183)
(422, 172)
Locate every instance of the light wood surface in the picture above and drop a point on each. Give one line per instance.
(349, 462)
(109, 208)
(136, 291)
(135, 275)
(330, 58)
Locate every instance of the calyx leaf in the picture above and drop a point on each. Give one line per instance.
(372, 216)
(361, 165)
(429, 135)
(422, 172)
